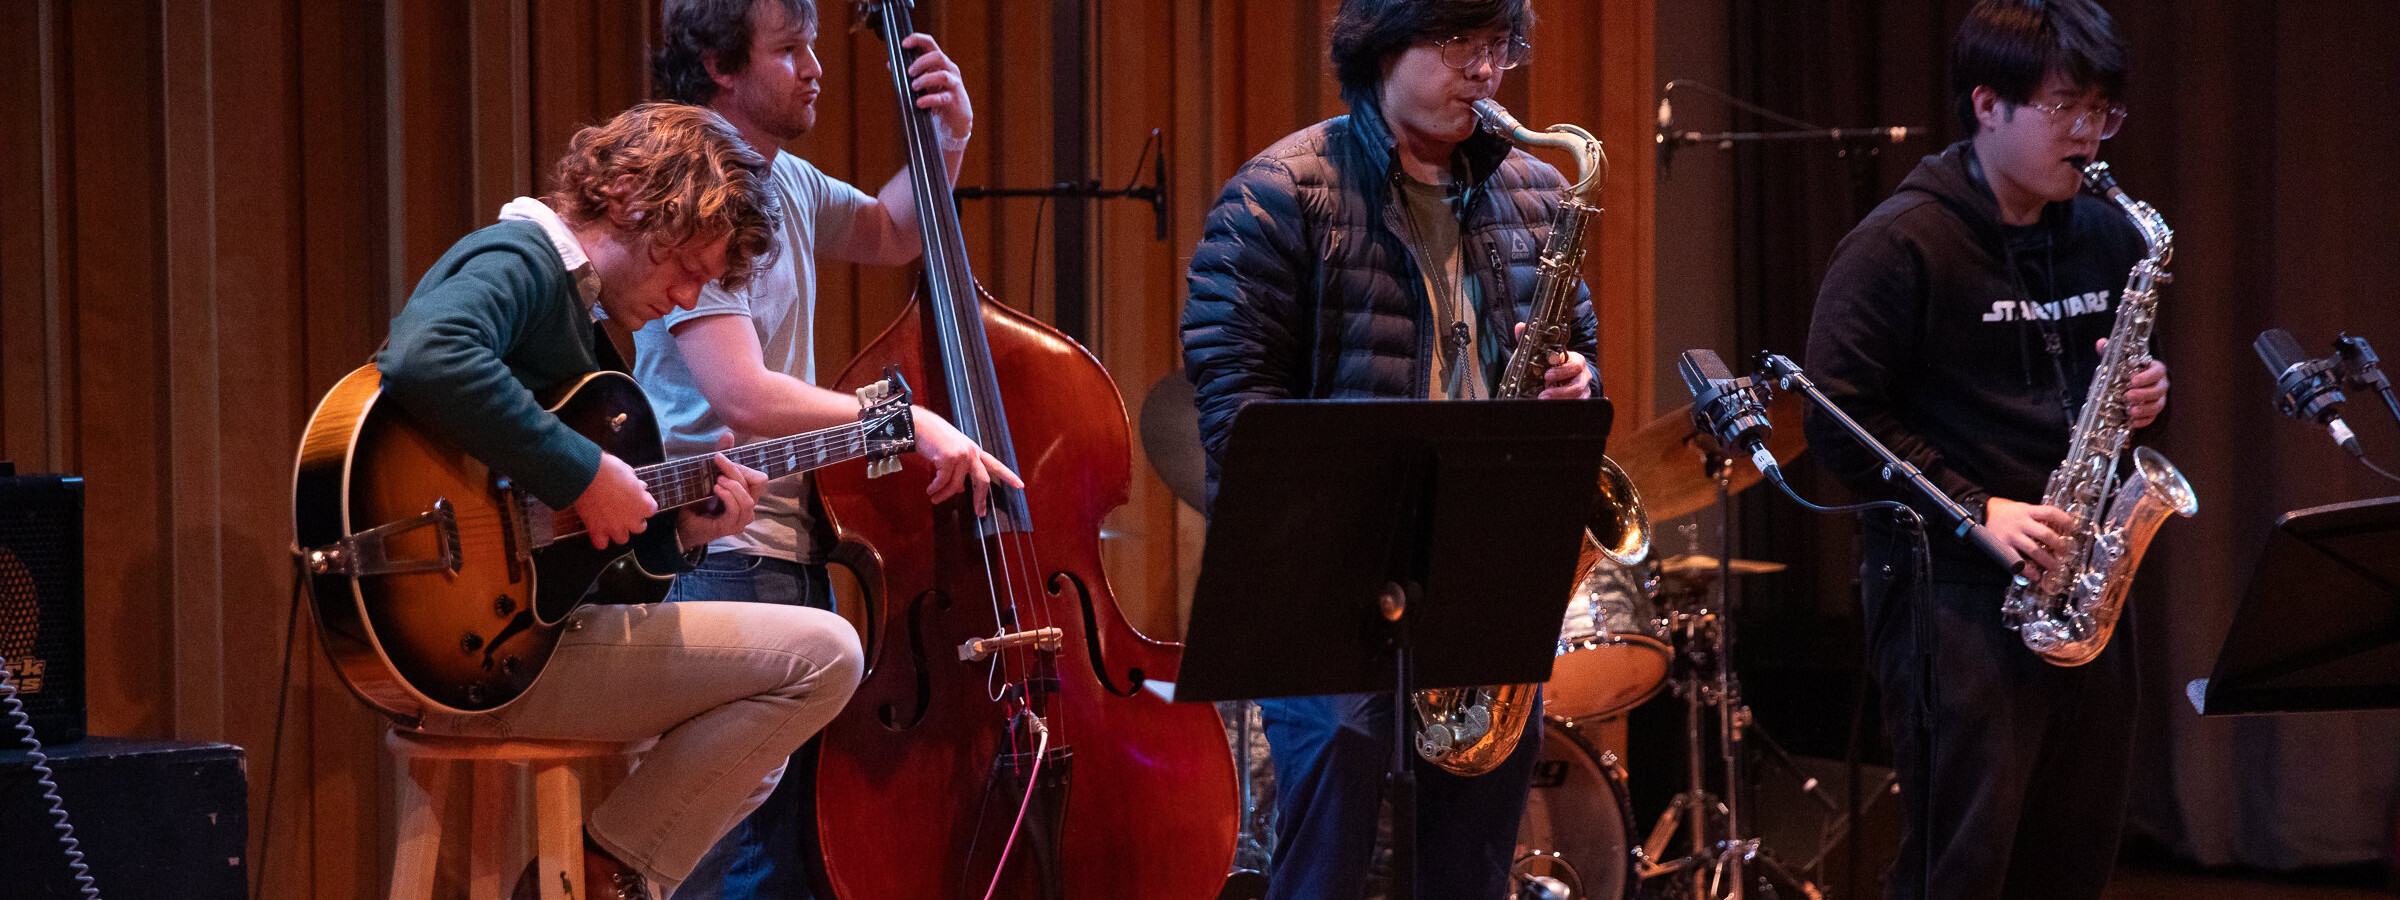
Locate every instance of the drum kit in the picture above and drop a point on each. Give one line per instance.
(1630, 633)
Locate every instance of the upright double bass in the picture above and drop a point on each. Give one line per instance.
(1002, 743)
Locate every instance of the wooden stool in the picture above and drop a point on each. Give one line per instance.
(556, 809)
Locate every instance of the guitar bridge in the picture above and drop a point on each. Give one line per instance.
(365, 553)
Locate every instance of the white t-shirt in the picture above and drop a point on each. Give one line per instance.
(781, 303)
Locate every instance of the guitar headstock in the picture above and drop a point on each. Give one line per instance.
(888, 427)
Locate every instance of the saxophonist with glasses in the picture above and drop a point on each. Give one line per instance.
(1388, 253)
(1962, 322)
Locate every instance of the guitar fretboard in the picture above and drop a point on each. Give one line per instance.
(682, 482)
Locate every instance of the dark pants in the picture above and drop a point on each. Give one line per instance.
(1331, 754)
(2015, 771)
(763, 857)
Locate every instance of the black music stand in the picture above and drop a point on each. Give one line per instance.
(2320, 628)
(1471, 515)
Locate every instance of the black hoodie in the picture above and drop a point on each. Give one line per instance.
(1933, 330)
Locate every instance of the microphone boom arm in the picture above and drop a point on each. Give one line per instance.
(1961, 523)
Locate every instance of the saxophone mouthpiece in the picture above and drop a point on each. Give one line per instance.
(1495, 118)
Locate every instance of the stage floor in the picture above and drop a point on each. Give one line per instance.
(2144, 876)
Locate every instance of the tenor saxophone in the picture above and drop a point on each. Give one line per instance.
(1469, 730)
(2067, 614)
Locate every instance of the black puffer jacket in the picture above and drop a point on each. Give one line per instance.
(1302, 286)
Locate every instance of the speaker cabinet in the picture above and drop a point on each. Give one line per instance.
(165, 819)
(41, 603)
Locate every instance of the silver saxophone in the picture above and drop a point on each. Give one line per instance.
(2067, 615)
(1469, 730)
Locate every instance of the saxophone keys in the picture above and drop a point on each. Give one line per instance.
(2112, 544)
(2092, 584)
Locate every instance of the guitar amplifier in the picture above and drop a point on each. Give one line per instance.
(41, 603)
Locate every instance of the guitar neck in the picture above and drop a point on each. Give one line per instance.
(682, 482)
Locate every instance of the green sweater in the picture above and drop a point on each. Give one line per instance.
(496, 320)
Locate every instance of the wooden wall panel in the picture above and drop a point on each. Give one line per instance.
(211, 211)
(32, 352)
(118, 257)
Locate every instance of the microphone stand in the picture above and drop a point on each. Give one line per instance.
(2356, 369)
(1960, 523)
(1724, 140)
(1087, 189)
(2359, 371)
(1858, 144)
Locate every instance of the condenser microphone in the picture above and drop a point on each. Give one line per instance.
(1727, 408)
(2305, 388)
(1666, 133)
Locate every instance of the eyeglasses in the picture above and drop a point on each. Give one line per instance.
(2109, 118)
(1464, 52)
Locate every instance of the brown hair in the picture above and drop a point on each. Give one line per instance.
(698, 30)
(696, 180)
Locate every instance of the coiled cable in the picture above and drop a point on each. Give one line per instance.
(42, 776)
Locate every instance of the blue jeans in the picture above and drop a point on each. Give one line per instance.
(1331, 754)
(769, 854)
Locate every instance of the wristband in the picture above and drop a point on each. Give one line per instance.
(941, 136)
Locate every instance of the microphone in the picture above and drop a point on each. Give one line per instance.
(2304, 389)
(1666, 133)
(1158, 178)
(1728, 408)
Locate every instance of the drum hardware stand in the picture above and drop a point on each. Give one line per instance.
(1252, 852)
(1716, 868)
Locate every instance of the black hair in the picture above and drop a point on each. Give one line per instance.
(698, 30)
(1366, 34)
(2011, 46)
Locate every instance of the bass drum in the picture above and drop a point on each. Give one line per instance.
(1578, 825)
(1612, 648)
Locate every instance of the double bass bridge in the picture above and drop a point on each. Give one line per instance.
(1047, 640)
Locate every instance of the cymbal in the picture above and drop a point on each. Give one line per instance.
(1667, 459)
(1705, 565)
(1171, 438)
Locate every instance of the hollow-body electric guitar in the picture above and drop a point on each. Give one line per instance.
(439, 586)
